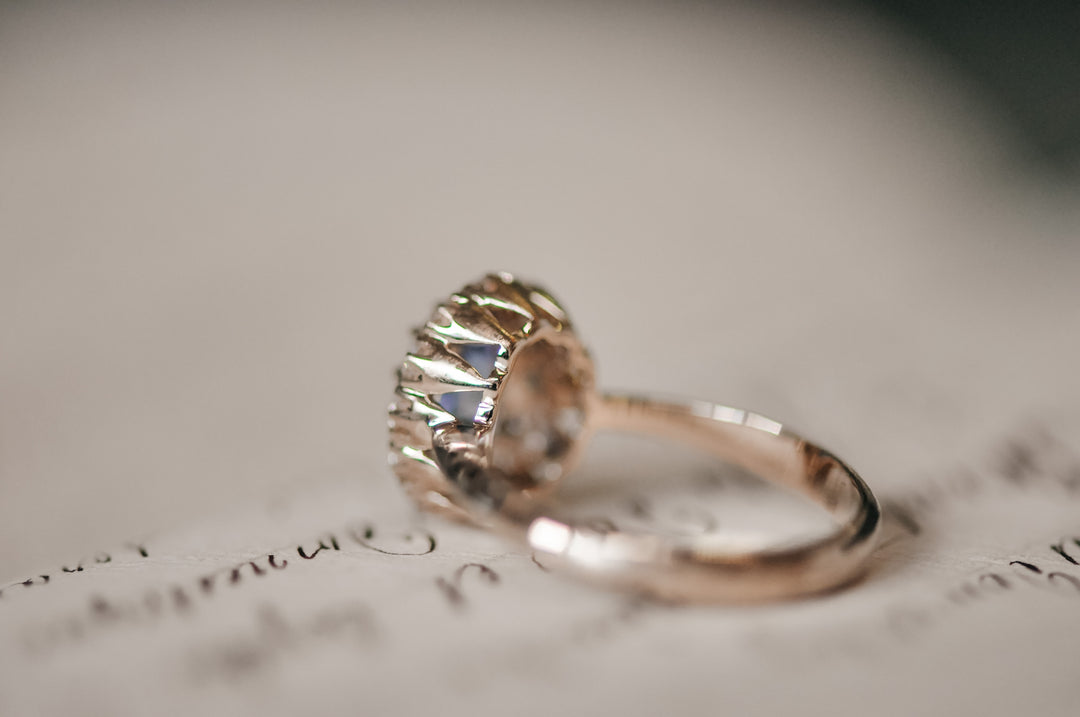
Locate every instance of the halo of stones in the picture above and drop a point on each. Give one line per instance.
(448, 384)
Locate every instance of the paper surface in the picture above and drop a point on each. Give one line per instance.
(332, 601)
(220, 221)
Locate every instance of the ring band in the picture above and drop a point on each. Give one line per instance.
(495, 404)
(707, 567)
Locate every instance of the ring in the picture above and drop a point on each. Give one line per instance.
(495, 404)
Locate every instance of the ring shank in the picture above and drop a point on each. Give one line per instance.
(706, 567)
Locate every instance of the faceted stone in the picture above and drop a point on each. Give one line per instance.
(462, 404)
(480, 356)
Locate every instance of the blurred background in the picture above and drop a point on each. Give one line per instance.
(219, 220)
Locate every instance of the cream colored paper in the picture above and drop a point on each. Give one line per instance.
(219, 222)
(331, 601)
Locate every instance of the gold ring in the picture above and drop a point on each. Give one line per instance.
(495, 404)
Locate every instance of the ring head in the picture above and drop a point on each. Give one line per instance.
(493, 398)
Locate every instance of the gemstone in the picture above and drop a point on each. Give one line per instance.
(462, 404)
(480, 356)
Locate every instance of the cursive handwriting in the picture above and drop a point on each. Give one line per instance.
(1053, 572)
(452, 587)
(1033, 460)
(100, 558)
(275, 636)
(151, 604)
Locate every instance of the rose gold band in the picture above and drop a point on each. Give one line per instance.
(705, 568)
(496, 402)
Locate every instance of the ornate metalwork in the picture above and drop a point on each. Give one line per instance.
(451, 388)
